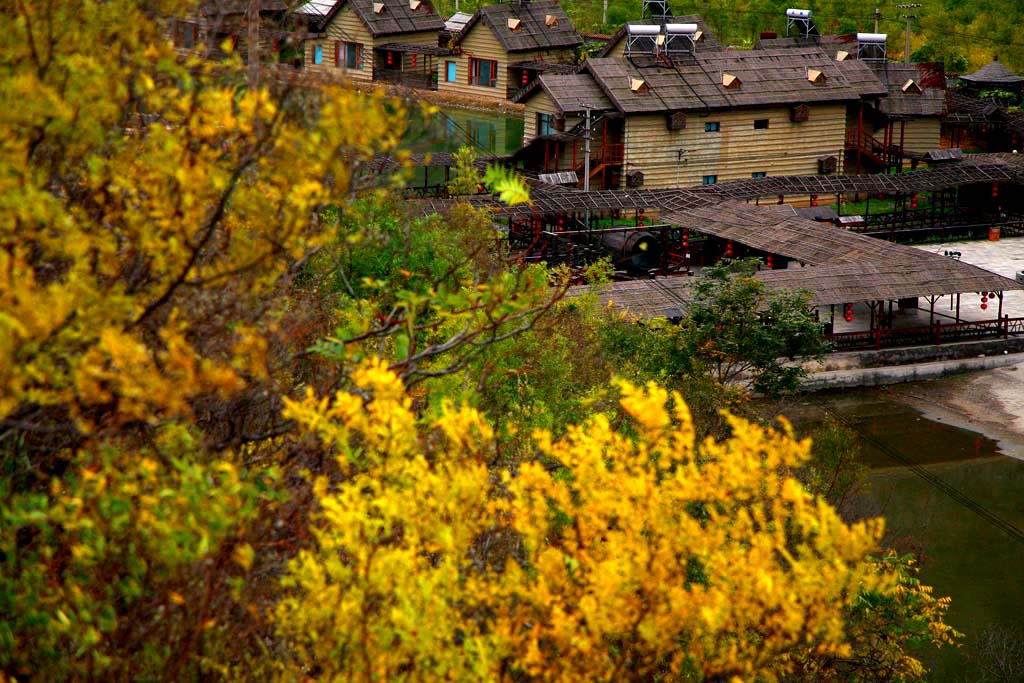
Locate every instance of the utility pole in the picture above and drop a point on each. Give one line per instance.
(908, 17)
(586, 153)
(604, 14)
(878, 15)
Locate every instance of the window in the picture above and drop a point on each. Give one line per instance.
(709, 180)
(760, 124)
(712, 127)
(186, 34)
(483, 72)
(348, 55)
(449, 72)
(758, 174)
(318, 54)
(545, 124)
(353, 55)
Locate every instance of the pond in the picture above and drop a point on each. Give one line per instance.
(953, 495)
(487, 133)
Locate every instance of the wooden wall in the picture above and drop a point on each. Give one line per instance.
(737, 150)
(921, 134)
(347, 27)
(482, 44)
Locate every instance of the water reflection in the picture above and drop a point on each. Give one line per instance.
(449, 129)
(944, 491)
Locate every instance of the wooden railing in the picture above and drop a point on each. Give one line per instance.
(924, 335)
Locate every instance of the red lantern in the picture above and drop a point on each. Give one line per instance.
(849, 318)
(391, 58)
(769, 262)
(814, 200)
(984, 306)
(526, 76)
(913, 201)
(984, 299)
(414, 60)
(995, 190)
(849, 313)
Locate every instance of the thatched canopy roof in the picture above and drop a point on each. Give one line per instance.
(994, 73)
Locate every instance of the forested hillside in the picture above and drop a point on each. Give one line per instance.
(966, 34)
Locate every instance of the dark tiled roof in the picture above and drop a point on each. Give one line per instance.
(533, 32)
(994, 72)
(574, 92)
(830, 44)
(931, 101)
(707, 43)
(767, 77)
(396, 18)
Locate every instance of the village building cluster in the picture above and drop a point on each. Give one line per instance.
(667, 104)
(662, 118)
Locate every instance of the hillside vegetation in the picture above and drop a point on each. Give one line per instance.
(966, 34)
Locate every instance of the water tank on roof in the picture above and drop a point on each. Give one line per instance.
(643, 29)
(680, 29)
(798, 13)
(872, 37)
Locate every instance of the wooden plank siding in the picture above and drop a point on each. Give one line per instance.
(347, 27)
(921, 135)
(481, 44)
(737, 150)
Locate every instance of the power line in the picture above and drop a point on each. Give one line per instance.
(952, 492)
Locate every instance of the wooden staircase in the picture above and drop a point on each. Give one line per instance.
(875, 155)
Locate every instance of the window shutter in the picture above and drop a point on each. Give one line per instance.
(337, 53)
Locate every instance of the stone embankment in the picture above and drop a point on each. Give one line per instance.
(893, 366)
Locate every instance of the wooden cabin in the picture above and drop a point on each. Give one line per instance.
(553, 129)
(904, 125)
(382, 40)
(911, 115)
(703, 118)
(503, 48)
(213, 23)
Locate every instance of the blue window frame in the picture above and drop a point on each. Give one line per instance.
(450, 72)
(353, 55)
(712, 126)
(318, 54)
(483, 72)
(758, 174)
(709, 180)
(545, 124)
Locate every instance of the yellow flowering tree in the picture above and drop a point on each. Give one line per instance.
(624, 551)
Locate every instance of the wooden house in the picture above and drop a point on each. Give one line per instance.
(503, 48)
(553, 128)
(382, 40)
(212, 24)
(903, 126)
(705, 117)
(911, 115)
